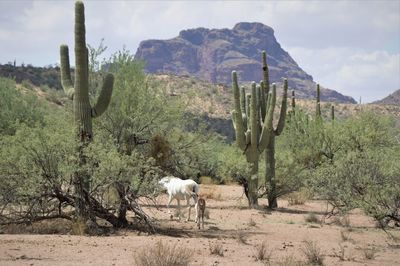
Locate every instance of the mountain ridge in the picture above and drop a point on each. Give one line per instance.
(391, 99)
(212, 54)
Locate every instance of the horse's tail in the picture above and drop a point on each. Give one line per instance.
(196, 188)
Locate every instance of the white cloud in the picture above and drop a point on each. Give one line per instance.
(354, 72)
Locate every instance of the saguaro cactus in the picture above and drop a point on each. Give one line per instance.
(318, 104)
(79, 92)
(270, 145)
(255, 134)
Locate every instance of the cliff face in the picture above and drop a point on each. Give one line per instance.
(212, 54)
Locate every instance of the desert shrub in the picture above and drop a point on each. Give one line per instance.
(210, 192)
(252, 222)
(163, 255)
(340, 253)
(216, 249)
(241, 237)
(312, 218)
(17, 108)
(345, 235)
(366, 181)
(262, 253)
(299, 197)
(312, 253)
(370, 253)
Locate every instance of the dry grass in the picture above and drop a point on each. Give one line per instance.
(345, 235)
(211, 193)
(289, 261)
(162, 254)
(251, 222)
(340, 253)
(299, 197)
(370, 253)
(78, 227)
(207, 214)
(216, 249)
(262, 253)
(313, 253)
(49, 227)
(206, 180)
(241, 237)
(312, 218)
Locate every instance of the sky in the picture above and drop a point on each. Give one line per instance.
(352, 46)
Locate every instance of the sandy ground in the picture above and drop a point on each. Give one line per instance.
(238, 230)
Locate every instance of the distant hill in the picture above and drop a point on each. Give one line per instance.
(392, 99)
(212, 54)
(38, 76)
(213, 103)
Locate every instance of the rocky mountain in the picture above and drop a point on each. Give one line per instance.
(212, 54)
(392, 99)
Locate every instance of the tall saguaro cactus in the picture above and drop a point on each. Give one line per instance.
(255, 134)
(270, 145)
(79, 92)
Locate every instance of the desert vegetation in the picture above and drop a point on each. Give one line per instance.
(87, 161)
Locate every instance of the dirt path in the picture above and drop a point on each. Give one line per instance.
(236, 229)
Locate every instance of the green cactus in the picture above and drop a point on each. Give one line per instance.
(254, 134)
(293, 101)
(333, 113)
(79, 92)
(270, 146)
(318, 104)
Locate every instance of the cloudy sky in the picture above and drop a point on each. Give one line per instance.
(350, 46)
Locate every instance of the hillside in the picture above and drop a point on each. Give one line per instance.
(212, 54)
(392, 99)
(213, 103)
(38, 76)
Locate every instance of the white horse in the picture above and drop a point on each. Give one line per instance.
(180, 189)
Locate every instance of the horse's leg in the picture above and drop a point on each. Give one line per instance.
(179, 209)
(190, 207)
(169, 202)
(195, 198)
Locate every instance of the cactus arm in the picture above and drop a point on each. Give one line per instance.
(293, 101)
(253, 116)
(66, 80)
(263, 102)
(243, 99)
(268, 130)
(105, 96)
(282, 116)
(243, 105)
(265, 72)
(238, 120)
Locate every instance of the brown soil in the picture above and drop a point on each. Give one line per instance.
(230, 224)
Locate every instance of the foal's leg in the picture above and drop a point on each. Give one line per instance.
(202, 219)
(196, 207)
